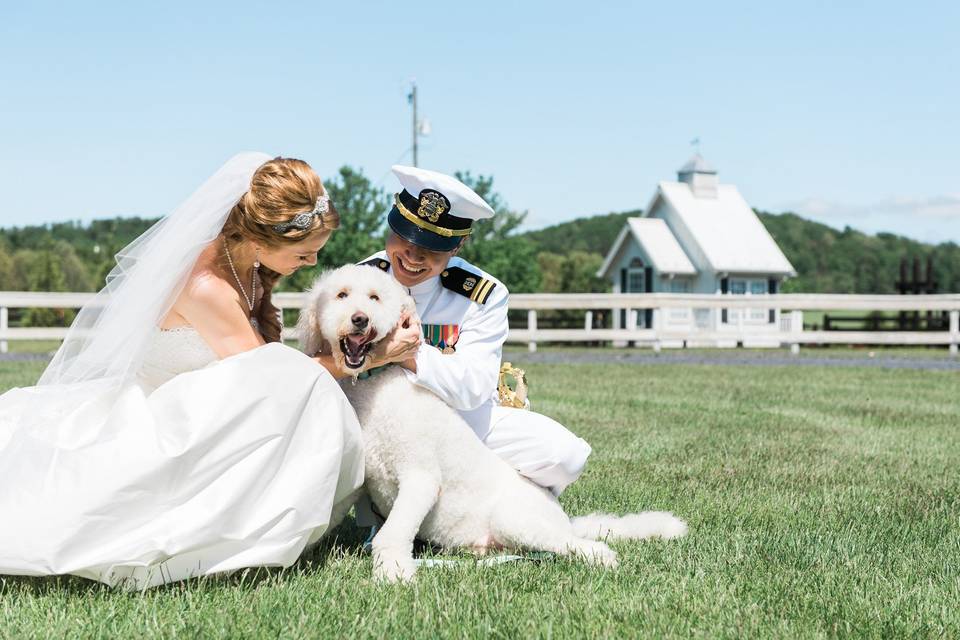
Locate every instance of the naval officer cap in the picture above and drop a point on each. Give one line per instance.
(434, 211)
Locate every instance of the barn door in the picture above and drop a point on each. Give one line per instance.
(648, 282)
(724, 288)
(771, 289)
(623, 289)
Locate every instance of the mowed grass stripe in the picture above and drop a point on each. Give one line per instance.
(822, 502)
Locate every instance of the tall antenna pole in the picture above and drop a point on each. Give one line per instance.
(413, 100)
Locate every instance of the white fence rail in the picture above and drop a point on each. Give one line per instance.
(676, 320)
(702, 321)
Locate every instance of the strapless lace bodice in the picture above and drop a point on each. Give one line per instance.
(174, 351)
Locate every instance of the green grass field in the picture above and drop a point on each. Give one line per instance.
(821, 503)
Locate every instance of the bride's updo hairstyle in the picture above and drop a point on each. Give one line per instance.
(280, 189)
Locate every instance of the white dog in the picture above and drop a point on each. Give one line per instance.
(425, 468)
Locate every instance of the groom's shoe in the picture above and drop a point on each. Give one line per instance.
(368, 516)
(368, 543)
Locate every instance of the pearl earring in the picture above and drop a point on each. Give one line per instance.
(256, 261)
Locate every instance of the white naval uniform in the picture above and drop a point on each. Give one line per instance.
(538, 447)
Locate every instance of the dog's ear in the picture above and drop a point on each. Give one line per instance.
(308, 325)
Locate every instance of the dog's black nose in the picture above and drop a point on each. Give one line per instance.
(359, 320)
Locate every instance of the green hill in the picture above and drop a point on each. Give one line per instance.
(827, 260)
(74, 256)
(850, 261)
(593, 235)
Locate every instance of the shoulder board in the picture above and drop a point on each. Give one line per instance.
(380, 263)
(467, 284)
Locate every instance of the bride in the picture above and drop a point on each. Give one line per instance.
(173, 434)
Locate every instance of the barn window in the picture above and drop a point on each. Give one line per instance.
(634, 277)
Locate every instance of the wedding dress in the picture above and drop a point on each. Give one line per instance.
(140, 458)
(198, 466)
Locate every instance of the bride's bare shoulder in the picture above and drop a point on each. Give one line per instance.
(206, 283)
(205, 291)
(203, 285)
(208, 288)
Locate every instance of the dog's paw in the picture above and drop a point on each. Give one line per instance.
(597, 553)
(393, 567)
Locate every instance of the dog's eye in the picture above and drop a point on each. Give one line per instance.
(374, 296)
(342, 295)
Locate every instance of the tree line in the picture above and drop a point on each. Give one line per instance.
(73, 256)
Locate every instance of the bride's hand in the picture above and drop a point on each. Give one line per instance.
(401, 343)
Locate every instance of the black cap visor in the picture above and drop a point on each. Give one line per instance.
(419, 236)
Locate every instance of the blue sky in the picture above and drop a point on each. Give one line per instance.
(847, 112)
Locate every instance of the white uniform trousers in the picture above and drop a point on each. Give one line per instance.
(538, 447)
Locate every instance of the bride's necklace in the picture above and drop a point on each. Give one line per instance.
(251, 301)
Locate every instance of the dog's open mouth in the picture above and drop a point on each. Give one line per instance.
(355, 347)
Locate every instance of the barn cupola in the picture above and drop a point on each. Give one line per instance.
(701, 177)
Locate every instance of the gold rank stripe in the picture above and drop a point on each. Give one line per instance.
(423, 224)
(481, 291)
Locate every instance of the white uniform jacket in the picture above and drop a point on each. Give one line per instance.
(463, 342)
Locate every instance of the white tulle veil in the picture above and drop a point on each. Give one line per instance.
(109, 336)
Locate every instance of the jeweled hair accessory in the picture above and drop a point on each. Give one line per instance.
(304, 220)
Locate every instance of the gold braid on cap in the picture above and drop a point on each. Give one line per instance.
(423, 224)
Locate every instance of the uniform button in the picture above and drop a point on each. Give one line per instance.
(445, 274)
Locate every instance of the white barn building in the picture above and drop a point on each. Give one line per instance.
(697, 236)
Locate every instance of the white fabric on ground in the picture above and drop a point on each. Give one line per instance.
(232, 465)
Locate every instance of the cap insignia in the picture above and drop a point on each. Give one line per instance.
(433, 204)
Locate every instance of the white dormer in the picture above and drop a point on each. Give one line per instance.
(701, 177)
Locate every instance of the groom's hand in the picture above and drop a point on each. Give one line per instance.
(402, 343)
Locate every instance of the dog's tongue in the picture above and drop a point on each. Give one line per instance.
(362, 338)
(355, 341)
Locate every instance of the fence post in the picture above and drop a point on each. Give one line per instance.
(631, 326)
(4, 322)
(656, 320)
(740, 313)
(532, 328)
(954, 331)
(796, 328)
(588, 321)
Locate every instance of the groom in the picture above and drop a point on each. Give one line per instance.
(463, 311)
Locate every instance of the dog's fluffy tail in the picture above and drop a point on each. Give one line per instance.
(633, 526)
